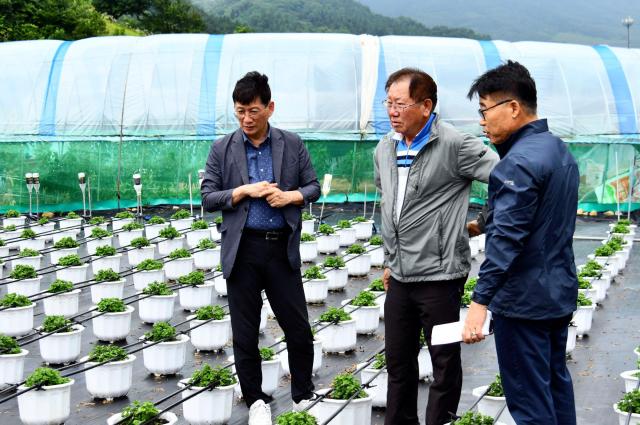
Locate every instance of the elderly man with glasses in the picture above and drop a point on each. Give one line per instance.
(424, 169)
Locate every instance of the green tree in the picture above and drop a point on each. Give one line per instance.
(172, 16)
(118, 8)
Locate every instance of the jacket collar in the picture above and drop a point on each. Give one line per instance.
(534, 127)
(239, 153)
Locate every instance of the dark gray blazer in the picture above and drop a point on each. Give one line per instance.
(226, 169)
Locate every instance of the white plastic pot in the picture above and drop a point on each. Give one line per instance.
(482, 239)
(61, 348)
(357, 412)
(179, 267)
(119, 223)
(622, 417)
(338, 278)
(583, 318)
(26, 287)
(328, 244)
(377, 255)
(64, 304)
(170, 418)
(425, 367)
(35, 262)
(378, 390)
(112, 327)
(270, 375)
(10, 234)
(12, 367)
(194, 297)
(138, 255)
(591, 293)
(316, 290)
(156, 308)
(111, 380)
(93, 244)
(152, 231)
(337, 337)
(367, 318)
(89, 228)
(600, 286)
(74, 274)
(142, 279)
(108, 262)
(211, 336)
(32, 243)
(55, 256)
(474, 247)
(358, 264)
(60, 234)
(317, 357)
(630, 381)
(264, 311)
(51, 405)
(182, 224)
(17, 321)
(215, 235)
(308, 251)
(490, 406)
(195, 236)
(220, 284)
(166, 358)
(363, 229)
(167, 246)
(46, 229)
(14, 221)
(125, 238)
(347, 236)
(572, 334)
(207, 259)
(210, 407)
(102, 290)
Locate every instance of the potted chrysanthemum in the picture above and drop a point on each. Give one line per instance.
(138, 413)
(28, 257)
(376, 250)
(65, 302)
(346, 233)
(181, 219)
(363, 227)
(316, 286)
(62, 344)
(30, 240)
(50, 403)
(357, 260)
(11, 361)
(180, 263)
(328, 240)
(207, 255)
(210, 328)
(16, 315)
(154, 226)
(129, 232)
(196, 292)
(63, 247)
(337, 331)
(109, 285)
(336, 271)
(377, 289)
(106, 258)
(308, 247)
(169, 355)
(493, 401)
(121, 219)
(140, 250)
(156, 303)
(170, 240)
(366, 312)
(147, 271)
(214, 405)
(114, 377)
(346, 394)
(99, 237)
(24, 281)
(199, 230)
(376, 374)
(111, 320)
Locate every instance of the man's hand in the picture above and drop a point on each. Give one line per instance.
(278, 199)
(473, 228)
(253, 190)
(386, 277)
(472, 330)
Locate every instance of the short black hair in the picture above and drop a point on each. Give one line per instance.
(510, 78)
(421, 85)
(251, 87)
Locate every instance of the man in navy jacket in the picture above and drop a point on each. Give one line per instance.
(528, 279)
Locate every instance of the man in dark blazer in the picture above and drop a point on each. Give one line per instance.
(261, 177)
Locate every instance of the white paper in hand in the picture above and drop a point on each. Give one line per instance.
(452, 332)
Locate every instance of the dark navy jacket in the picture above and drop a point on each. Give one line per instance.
(529, 271)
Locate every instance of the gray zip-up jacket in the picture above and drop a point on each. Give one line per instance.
(430, 242)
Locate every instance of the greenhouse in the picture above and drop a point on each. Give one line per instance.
(114, 106)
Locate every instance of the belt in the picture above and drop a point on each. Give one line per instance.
(270, 235)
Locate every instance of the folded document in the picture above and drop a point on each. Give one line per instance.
(452, 332)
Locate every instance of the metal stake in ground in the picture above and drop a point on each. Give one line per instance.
(326, 188)
(200, 180)
(83, 185)
(36, 186)
(29, 179)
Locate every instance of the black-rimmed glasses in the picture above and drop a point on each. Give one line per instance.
(482, 111)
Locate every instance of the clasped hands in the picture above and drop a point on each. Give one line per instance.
(275, 197)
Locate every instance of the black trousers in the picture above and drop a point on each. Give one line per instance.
(533, 367)
(410, 307)
(263, 264)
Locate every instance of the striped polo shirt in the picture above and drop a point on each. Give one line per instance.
(404, 158)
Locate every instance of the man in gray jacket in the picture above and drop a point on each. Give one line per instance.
(424, 170)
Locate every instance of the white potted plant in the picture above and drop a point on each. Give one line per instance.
(343, 388)
(72, 269)
(308, 223)
(366, 312)
(296, 418)
(472, 418)
(317, 354)
(425, 367)
(210, 328)
(109, 285)
(599, 284)
(140, 250)
(337, 331)
(219, 282)
(630, 402)
(114, 377)
(170, 240)
(64, 247)
(357, 260)
(606, 257)
(99, 237)
(378, 384)
(271, 365)
(121, 219)
(137, 413)
(63, 342)
(199, 231)
(474, 247)
(106, 258)
(308, 247)
(583, 315)
(316, 286)
(363, 227)
(147, 271)
(214, 405)
(153, 228)
(4, 251)
(624, 232)
(112, 320)
(10, 233)
(181, 219)
(572, 334)
(65, 302)
(630, 378)
(207, 255)
(13, 218)
(11, 361)
(586, 288)
(16, 315)
(493, 401)
(376, 250)
(180, 263)
(156, 303)
(24, 281)
(196, 293)
(336, 271)
(51, 403)
(346, 233)
(94, 222)
(169, 354)
(328, 240)
(377, 289)
(215, 229)
(129, 232)
(28, 257)
(29, 240)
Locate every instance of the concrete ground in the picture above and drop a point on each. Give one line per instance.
(595, 364)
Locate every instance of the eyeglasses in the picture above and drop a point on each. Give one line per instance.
(251, 113)
(482, 111)
(399, 106)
